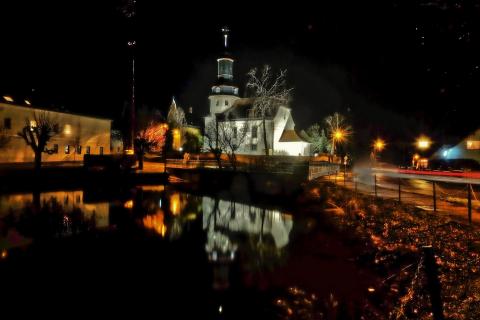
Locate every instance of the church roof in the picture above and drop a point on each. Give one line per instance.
(241, 109)
(290, 136)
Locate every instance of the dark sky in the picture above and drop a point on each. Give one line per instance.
(396, 68)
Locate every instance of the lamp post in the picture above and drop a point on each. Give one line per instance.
(378, 146)
(423, 143)
(337, 136)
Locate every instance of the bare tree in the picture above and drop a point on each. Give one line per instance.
(231, 137)
(37, 133)
(150, 139)
(211, 143)
(4, 137)
(268, 93)
(338, 130)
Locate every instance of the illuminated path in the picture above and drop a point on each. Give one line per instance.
(441, 176)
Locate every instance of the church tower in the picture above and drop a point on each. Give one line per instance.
(224, 91)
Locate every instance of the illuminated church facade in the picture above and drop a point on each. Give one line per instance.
(227, 105)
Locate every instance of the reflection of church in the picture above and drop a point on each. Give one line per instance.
(226, 221)
(227, 105)
(223, 218)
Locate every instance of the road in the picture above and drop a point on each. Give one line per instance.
(451, 195)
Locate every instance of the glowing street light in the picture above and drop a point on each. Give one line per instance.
(379, 145)
(423, 143)
(339, 135)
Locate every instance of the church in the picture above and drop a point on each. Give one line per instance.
(227, 105)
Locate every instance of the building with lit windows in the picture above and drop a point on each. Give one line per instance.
(226, 105)
(467, 149)
(78, 134)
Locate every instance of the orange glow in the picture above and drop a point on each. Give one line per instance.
(156, 223)
(175, 204)
(423, 143)
(4, 254)
(371, 289)
(8, 98)
(379, 144)
(416, 157)
(128, 204)
(129, 151)
(339, 135)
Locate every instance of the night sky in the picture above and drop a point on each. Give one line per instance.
(395, 68)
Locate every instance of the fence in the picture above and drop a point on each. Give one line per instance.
(460, 199)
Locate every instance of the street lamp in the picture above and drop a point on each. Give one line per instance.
(378, 146)
(338, 135)
(423, 143)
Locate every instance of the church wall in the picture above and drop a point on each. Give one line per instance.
(75, 131)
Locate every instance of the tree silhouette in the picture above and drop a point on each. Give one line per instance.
(268, 93)
(37, 133)
(151, 139)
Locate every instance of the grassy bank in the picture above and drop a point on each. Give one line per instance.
(393, 235)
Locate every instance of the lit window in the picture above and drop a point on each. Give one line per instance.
(67, 129)
(7, 123)
(473, 144)
(67, 149)
(33, 124)
(87, 150)
(79, 149)
(101, 150)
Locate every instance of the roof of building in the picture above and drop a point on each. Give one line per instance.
(40, 109)
(290, 136)
(241, 109)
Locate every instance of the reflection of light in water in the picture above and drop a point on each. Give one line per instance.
(128, 204)
(175, 203)
(219, 246)
(68, 200)
(158, 188)
(156, 223)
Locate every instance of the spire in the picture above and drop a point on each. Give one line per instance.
(174, 104)
(225, 32)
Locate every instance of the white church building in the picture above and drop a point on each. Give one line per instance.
(227, 105)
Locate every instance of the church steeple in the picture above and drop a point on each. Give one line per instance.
(225, 32)
(224, 84)
(224, 91)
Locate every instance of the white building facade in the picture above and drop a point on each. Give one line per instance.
(78, 135)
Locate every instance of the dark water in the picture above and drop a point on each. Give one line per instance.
(156, 250)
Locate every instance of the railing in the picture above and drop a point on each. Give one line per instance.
(452, 197)
(318, 169)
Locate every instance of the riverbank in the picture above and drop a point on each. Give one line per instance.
(394, 235)
(26, 179)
